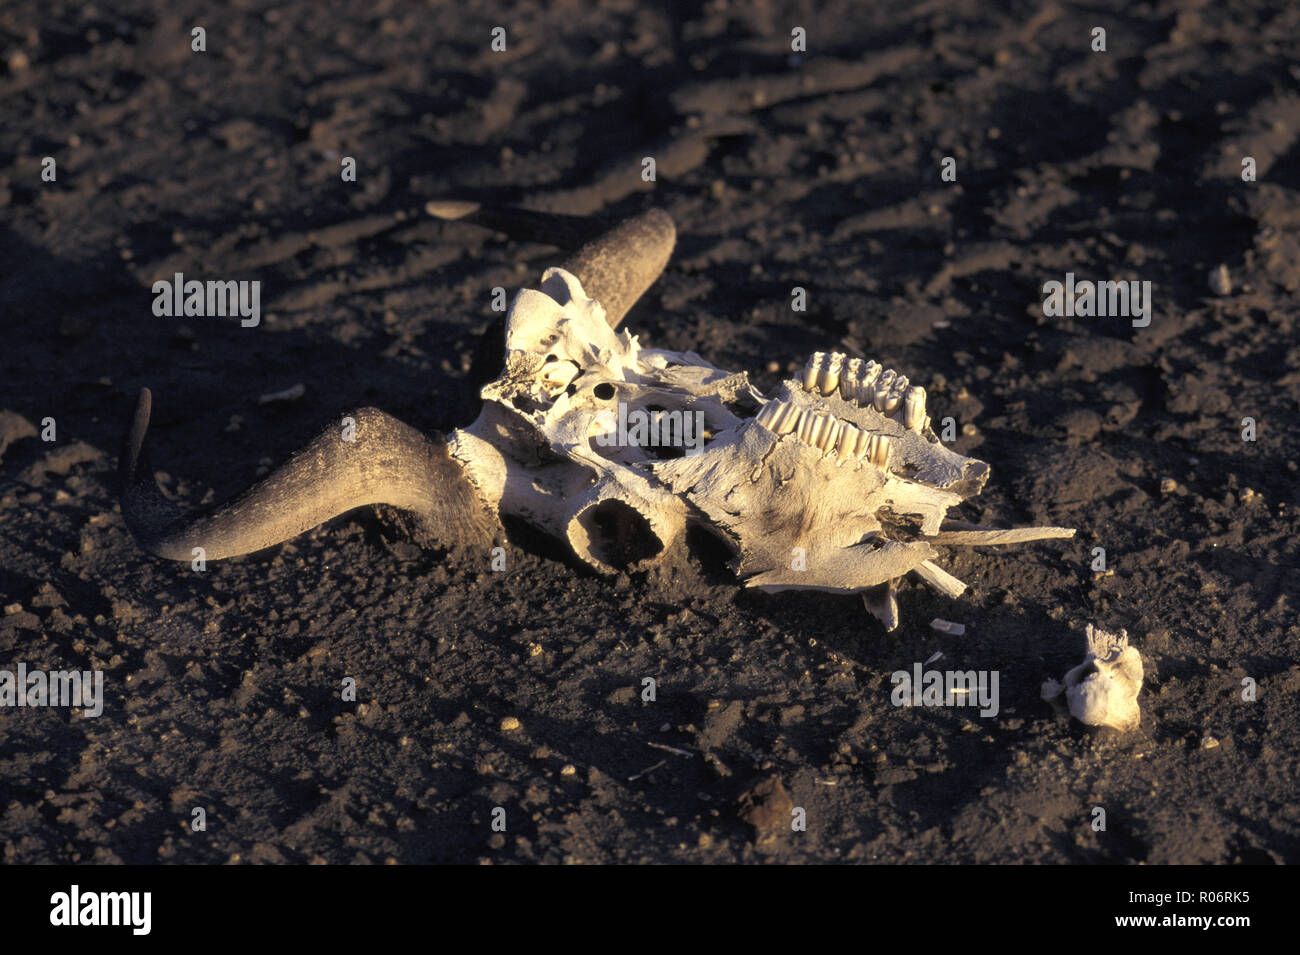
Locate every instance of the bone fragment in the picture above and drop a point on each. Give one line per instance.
(1103, 689)
(940, 579)
(292, 393)
(992, 536)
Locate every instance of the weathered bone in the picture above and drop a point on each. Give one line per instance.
(1103, 689)
(835, 483)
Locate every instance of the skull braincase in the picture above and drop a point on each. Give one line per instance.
(839, 497)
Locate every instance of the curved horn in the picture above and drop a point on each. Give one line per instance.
(385, 462)
(618, 267)
(615, 267)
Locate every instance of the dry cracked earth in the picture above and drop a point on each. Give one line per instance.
(818, 169)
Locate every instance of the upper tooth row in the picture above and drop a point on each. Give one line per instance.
(865, 383)
(825, 432)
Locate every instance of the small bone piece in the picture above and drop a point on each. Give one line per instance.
(1103, 689)
(948, 627)
(289, 394)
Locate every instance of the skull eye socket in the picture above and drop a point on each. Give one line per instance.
(551, 358)
(604, 391)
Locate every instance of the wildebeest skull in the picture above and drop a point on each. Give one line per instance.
(835, 483)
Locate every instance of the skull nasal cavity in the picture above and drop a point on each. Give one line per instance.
(617, 535)
(604, 391)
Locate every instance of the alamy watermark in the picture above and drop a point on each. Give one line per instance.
(83, 688)
(651, 429)
(921, 687)
(130, 909)
(178, 298)
(1085, 299)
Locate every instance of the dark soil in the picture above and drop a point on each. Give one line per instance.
(819, 170)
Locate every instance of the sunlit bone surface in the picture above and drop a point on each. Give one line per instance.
(835, 482)
(1103, 689)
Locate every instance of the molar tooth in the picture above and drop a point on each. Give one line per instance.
(788, 419)
(896, 392)
(768, 414)
(848, 440)
(830, 436)
(879, 451)
(867, 382)
(883, 386)
(829, 378)
(803, 427)
(863, 444)
(812, 370)
(817, 426)
(914, 409)
(849, 379)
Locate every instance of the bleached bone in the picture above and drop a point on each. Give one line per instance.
(835, 482)
(1103, 689)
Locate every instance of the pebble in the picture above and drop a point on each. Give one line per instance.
(1221, 281)
(510, 724)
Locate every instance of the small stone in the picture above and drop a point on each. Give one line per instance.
(17, 62)
(1209, 742)
(510, 724)
(1221, 281)
(568, 769)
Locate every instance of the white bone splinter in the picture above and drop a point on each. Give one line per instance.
(836, 482)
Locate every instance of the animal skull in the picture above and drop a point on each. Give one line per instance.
(835, 483)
